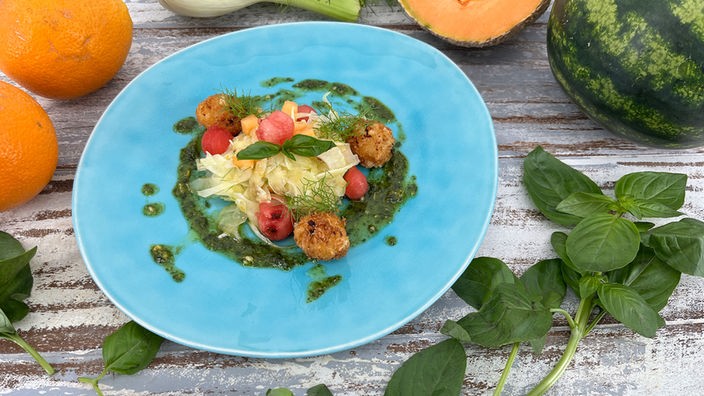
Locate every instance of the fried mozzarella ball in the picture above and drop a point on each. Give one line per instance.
(322, 236)
(214, 110)
(372, 142)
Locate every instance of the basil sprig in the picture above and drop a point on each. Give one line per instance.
(15, 285)
(128, 350)
(612, 261)
(303, 145)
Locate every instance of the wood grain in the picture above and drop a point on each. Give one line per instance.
(70, 316)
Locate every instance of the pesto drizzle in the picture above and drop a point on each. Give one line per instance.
(187, 126)
(389, 188)
(153, 209)
(149, 189)
(164, 256)
(320, 282)
(248, 252)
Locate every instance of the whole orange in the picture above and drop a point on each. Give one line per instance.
(28, 147)
(63, 49)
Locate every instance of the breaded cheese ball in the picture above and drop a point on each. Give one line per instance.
(214, 110)
(322, 236)
(373, 143)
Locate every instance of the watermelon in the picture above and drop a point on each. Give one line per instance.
(636, 67)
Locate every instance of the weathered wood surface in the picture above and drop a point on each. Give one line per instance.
(70, 316)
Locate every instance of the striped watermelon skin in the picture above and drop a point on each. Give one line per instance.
(634, 66)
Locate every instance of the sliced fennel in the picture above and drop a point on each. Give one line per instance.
(229, 220)
(246, 183)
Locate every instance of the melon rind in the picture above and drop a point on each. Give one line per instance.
(471, 42)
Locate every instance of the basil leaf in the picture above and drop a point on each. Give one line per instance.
(649, 276)
(680, 245)
(436, 370)
(453, 329)
(16, 284)
(9, 246)
(15, 308)
(589, 284)
(259, 150)
(571, 278)
(667, 189)
(6, 327)
(538, 344)
(584, 204)
(306, 146)
(643, 226)
(510, 315)
(544, 280)
(130, 349)
(641, 209)
(319, 390)
(558, 240)
(549, 181)
(477, 282)
(288, 154)
(570, 273)
(629, 308)
(279, 392)
(603, 243)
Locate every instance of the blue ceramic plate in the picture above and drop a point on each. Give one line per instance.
(224, 307)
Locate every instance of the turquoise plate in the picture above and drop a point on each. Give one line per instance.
(224, 307)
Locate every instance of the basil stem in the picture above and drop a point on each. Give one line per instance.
(578, 330)
(507, 369)
(14, 337)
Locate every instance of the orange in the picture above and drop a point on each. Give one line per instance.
(28, 148)
(63, 49)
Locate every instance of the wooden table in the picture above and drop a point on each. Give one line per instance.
(70, 316)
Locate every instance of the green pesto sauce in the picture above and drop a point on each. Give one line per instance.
(391, 240)
(278, 99)
(317, 288)
(374, 109)
(276, 81)
(326, 86)
(389, 188)
(165, 257)
(153, 209)
(149, 189)
(320, 282)
(187, 126)
(248, 252)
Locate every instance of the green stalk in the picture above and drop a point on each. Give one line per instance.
(342, 10)
(507, 369)
(595, 322)
(577, 333)
(33, 352)
(94, 381)
(567, 316)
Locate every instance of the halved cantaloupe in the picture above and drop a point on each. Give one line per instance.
(474, 23)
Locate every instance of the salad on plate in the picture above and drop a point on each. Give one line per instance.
(286, 171)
